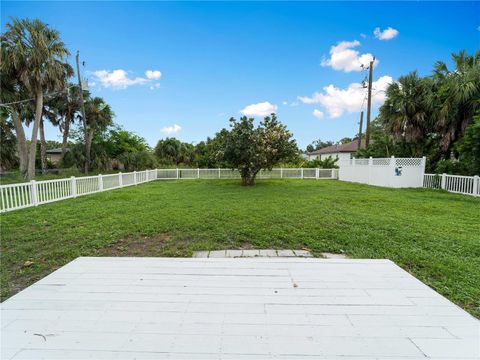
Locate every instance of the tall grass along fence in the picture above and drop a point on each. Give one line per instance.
(468, 185)
(33, 193)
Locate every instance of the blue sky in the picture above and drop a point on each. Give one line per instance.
(219, 58)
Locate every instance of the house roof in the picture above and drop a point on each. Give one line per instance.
(56, 151)
(350, 147)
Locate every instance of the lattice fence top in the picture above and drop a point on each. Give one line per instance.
(408, 161)
(391, 161)
(360, 161)
(381, 161)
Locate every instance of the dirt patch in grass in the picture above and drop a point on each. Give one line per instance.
(148, 246)
(247, 246)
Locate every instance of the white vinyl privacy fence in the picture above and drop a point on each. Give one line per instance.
(468, 185)
(389, 172)
(33, 193)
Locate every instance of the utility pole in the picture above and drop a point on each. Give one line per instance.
(360, 131)
(369, 105)
(82, 109)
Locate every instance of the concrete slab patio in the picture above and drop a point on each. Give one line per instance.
(234, 308)
(251, 253)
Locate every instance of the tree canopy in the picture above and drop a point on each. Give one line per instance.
(34, 56)
(251, 149)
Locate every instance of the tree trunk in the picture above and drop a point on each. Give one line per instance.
(248, 181)
(66, 131)
(21, 142)
(33, 143)
(43, 148)
(88, 149)
(248, 178)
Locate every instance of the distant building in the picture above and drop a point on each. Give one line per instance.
(55, 155)
(340, 151)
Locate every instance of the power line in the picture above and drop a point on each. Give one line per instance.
(33, 99)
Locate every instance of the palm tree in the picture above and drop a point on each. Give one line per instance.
(168, 150)
(8, 156)
(46, 115)
(12, 92)
(458, 98)
(62, 111)
(405, 113)
(99, 116)
(37, 56)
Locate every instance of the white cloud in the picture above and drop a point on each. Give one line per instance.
(293, 103)
(259, 109)
(363, 35)
(318, 114)
(337, 101)
(153, 74)
(118, 79)
(386, 34)
(344, 57)
(171, 129)
(155, 86)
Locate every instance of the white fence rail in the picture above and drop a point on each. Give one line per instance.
(468, 185)
(33, 193)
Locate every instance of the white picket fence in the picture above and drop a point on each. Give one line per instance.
(468, 185)
(33, 193)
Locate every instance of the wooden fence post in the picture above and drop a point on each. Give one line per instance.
(135, 177)
(444, 181)
(120, 179)
(177, 174)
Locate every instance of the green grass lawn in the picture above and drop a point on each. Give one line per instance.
(432, 234)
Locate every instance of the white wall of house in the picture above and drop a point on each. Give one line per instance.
(341, 156)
